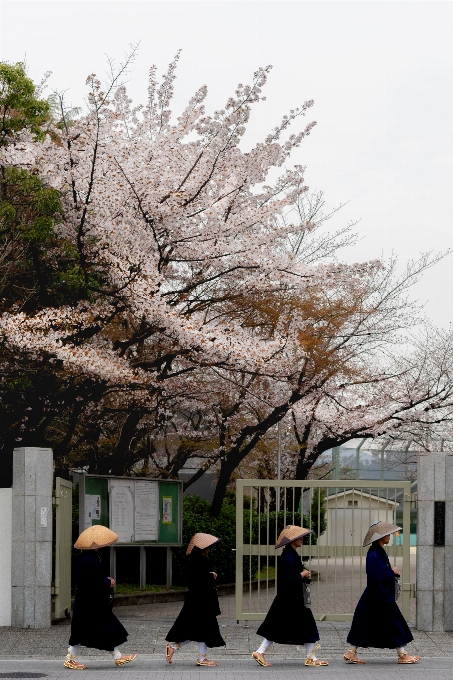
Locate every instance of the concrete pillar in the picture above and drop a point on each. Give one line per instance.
(435, 542)
(6, 507)
(31, 572)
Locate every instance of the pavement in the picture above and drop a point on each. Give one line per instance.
(40, 653)
(234, 669)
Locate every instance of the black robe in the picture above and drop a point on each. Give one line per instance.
(197, 620)
(378, 621)
(288, 621)
(93, 622)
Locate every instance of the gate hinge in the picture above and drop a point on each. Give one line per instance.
(55, 500)
(412, 499)
(411, 587)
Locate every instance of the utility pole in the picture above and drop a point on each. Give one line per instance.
(357, 459)
(279, 463)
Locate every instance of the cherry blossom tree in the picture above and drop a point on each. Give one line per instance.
(207, 300)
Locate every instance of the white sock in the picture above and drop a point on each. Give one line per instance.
(309, 647)
(177, 645)
(116, 653)
(74, 650)
(202, 650)
(400, 650)
(264, 646)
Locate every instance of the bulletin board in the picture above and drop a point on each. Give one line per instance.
(141, 511)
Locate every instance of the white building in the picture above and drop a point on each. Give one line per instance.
(350, 513)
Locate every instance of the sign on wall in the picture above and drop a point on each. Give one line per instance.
(141, 511)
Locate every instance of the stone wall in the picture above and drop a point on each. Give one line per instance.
(32, 537)
(434, 562)
(6, 502)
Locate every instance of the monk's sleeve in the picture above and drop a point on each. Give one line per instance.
(380, 578)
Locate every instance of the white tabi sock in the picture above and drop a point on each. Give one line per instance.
(309, 647)
(264, 646)
(74, 650)
(202, 650)
(116, 653)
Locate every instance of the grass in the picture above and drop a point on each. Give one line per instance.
(134, 589)
(266, 573)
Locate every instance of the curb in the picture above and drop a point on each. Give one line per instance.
(179, 595)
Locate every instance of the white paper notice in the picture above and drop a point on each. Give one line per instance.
(122, 509)
(146, 510)
(92, 509)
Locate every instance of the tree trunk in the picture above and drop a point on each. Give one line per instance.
(127, 432)
(226, 471)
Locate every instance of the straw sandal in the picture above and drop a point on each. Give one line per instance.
(404, 657)
(71, 663)
(260, 662)
(169, 651)
(351, 657)
(206, 662)
(125, 659)
(310, 661)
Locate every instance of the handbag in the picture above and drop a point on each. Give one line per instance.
(397, 587)
(307, 594)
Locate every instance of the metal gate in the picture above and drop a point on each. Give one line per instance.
(338, 513)
(63, 545)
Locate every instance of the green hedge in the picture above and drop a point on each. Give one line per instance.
(197, 518)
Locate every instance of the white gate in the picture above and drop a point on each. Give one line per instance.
(338, 513)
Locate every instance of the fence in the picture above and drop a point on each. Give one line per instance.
(339, 514)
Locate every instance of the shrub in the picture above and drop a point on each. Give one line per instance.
(197, 518)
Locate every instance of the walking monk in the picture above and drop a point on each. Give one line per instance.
(378, 621)
(197, 620)
(289, 621)
(93, 622)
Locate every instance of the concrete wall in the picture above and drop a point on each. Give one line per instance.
(6, 513)
(434, 563)
(32, 538)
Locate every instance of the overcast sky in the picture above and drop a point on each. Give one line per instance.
(379, 72)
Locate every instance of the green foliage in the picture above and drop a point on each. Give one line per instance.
(20, 106)
(27, 206)
(265, 528)
(37, 268)
(197, 518)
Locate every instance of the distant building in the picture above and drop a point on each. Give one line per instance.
(204, 487)
(351, 512)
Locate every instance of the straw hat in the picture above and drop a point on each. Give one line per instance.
(94, 537)
(379, 530)
(291, 533)
(202, 541)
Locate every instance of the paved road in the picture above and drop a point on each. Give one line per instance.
(233, 669)
(147, 637)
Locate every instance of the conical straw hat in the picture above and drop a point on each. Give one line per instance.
(201, 541)
(379, 530)
(94, 537)
(291, 533)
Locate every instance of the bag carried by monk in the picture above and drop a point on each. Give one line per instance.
(307, 594)
(397, 587)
